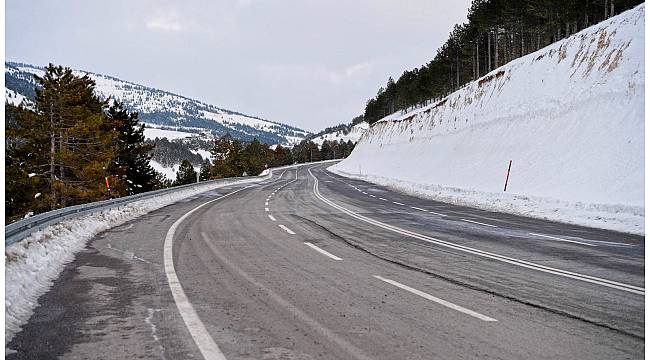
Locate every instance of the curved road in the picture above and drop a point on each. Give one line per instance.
(310, 265)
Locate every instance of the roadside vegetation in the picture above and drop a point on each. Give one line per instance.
(70, 147)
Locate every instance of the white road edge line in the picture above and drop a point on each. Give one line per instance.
(479, 223)
(437, 300)
(329, 255)
(271, 217)
(208, 348)
(560, 239)
(490, 255)
(286, 229)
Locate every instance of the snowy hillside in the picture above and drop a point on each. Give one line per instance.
(343, 135)
(570, 117)
(162, 108)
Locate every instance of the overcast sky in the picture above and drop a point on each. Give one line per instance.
(311, 64)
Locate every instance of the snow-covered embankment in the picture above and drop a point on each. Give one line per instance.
(570, 117)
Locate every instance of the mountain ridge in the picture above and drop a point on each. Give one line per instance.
(162, 108)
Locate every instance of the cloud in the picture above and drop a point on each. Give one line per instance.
(244, 3)
(315, 73)
(361, 68)
(165, 22)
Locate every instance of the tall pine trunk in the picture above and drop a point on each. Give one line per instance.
(52, 153)
(489, 53)
(496, 49)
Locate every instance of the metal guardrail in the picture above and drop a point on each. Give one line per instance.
(20, 229)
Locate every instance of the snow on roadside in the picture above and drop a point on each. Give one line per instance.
(32, 265)
(628, 219)
(570, 117)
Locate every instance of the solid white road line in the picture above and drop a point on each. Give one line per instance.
(479, 223)
(417, 208)
(435, 213)
(271, 217)
(333, 257)
(266, 209)
(397, 203)
(208, 348)
(490, 255)
(437, 300)
(560, 239)
(286, 229)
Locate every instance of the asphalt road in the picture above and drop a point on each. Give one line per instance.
(310, 265)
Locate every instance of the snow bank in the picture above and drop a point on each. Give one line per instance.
(570, 117)
(32, 264)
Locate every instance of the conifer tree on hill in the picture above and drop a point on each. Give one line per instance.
(205, 172)
(131, 166)
(186, 174)
(69, 118)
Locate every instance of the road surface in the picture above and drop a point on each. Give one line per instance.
(311, 265)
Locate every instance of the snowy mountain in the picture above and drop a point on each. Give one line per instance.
(162, 109)
(569, 116)
(352, 133)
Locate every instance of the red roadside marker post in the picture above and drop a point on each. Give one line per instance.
(108, 187)
(507, 176)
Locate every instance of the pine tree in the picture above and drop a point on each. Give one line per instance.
(223, 153)
(186, 174)
(255, 155)
(131, 166)
(205, 172)
(71, 142)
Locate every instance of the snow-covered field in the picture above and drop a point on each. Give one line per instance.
(151, 133)
(170, 172)
(570, 117)
(15, 98)
(354, 134)
(32, 264)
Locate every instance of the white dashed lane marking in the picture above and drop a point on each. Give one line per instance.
(479, 223)
(560, 239)
(271, 217)
(436, 300)
(397, 203)
(286, 229)
(329, 255)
